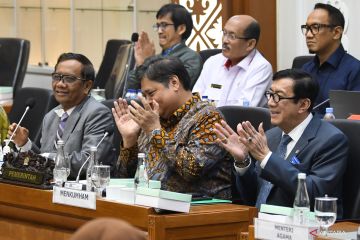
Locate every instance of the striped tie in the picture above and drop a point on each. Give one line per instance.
(60, 130)
(267, 186)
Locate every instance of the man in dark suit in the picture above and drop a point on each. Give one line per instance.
(300, 142)
(83, 120)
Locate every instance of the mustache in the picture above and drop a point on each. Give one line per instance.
(225, 46)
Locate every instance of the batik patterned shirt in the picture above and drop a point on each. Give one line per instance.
(183, 155)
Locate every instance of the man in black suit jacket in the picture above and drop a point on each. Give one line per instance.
(315, 147)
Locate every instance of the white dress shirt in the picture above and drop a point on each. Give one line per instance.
(249, 79)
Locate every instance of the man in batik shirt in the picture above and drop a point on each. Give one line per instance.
(174, 128)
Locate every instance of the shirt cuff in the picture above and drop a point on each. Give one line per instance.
(242, 170)
(27, 146)
(265, 160)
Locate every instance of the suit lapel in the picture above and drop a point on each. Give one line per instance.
(306, 137)
(73, 120)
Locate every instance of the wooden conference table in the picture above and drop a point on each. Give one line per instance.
(27, 213)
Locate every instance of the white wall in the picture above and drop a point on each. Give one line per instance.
(293, 13)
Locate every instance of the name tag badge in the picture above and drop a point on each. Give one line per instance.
(214, 92)
(77, 198)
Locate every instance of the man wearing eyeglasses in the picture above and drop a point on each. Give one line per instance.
(300, 143)
(240, 74)
(80, 121)
(332, 67)
(173, 25)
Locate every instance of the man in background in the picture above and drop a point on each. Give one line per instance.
(332, 67)
(239, 75)
(80, 121)
(173, 25)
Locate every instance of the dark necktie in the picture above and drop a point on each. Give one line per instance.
(267, 186)
(61, 127)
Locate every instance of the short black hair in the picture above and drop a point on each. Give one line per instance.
(179, 15)
(160, 69)
(87, 71)
(335, 15)
(253, 31)
(305, 86)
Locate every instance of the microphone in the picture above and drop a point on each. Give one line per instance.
(108, 131)
(320, 104)
(30, 102)
(134, 39)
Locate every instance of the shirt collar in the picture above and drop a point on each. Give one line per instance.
(335, 58)
(181, 111)
(296, 133)
(244, 64)
(166, 52)
(61, 111)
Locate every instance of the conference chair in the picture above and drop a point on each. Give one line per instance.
(115, 85)
(299, 61)
(351, 183)
(108, 61)
(255, 115)
(44, 101)
(205, 54)
(14, 56)
(117, 137)
(233, 116)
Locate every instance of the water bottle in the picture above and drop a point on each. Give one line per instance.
(139, 93)
(62, 169)
(89, 170)
(329, 115)
(139, 179)
(358, 234)
(301, 202)
(130, 94)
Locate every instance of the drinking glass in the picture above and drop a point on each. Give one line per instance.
(325, 212)
(100, 177)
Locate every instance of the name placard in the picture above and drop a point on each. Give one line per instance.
(22, 176)
(75, 198)
(265, 229)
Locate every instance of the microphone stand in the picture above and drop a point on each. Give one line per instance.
(87, 159)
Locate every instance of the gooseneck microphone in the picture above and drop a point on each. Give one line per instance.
(30, 102)
(108, 131)
(320, 104)
(134, 39)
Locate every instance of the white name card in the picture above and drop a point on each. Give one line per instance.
(265, 229)
(75, 198)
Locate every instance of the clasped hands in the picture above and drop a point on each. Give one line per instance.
(246, 140)
(130, 119)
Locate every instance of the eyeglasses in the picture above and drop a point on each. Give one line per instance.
(314, 28)
(232, 36)
(161, 26)
(276, 97)
(56, 77)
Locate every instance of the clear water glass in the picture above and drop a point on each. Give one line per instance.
(100, 177)
(325, 212)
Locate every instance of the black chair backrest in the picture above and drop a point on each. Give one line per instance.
(255, 115)
(117, 137)
(115, 86)
(205, 54)
(44, 102)
(344, 103)
(107, 64)
(14, 57)
(351, 184)
(299, 61)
